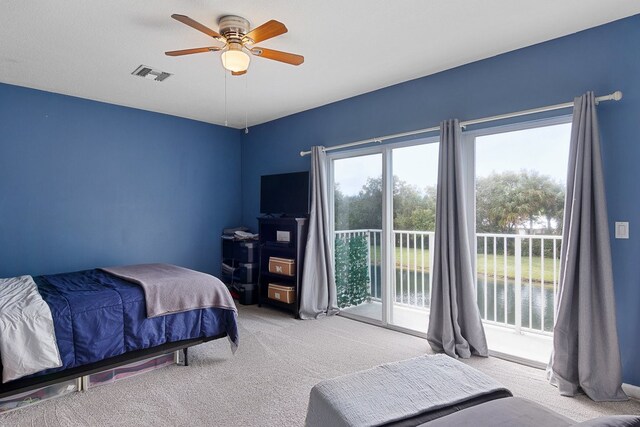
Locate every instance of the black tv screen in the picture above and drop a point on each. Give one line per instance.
(285, 194)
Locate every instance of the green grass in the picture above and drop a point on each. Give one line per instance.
(409, 262)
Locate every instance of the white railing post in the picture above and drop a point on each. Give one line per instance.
(401, 270)
(415, 267)
(424, 298)
(486, 301)
(556, 280)
(495, 279)
(542, 298)
(432, 240)
(505, 249)
(375, 262)
(518, 289)
(368, 239)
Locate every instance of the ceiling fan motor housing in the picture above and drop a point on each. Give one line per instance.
(233, 28)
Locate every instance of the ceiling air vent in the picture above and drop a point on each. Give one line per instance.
(150, 74)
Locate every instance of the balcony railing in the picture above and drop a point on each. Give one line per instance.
(517, 275)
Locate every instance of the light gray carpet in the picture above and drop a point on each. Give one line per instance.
(267, 382)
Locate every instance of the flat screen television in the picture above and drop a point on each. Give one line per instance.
(285, 194)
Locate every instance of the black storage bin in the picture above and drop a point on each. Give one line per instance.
(246, 252)
(240, 250)
(246, 273)
(247, 293)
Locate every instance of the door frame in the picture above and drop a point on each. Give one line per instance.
(387, 261)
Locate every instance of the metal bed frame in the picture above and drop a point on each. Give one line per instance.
(80, 372)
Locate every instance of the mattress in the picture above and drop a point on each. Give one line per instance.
(97, 316)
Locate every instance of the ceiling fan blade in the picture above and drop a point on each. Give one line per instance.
(276, 55)
(238, 73)
(190, 51)
(266, 31)
(195, 24)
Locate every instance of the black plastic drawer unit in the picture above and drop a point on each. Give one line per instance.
(243, 273)
(247, 292)
(246, 273)
(245, 252)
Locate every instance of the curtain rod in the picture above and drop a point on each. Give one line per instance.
(615, 96)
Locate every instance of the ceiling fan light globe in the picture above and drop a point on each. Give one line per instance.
(235, 60)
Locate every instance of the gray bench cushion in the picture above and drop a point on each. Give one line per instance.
(396, 391)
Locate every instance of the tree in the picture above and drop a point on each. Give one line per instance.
(505, 202)
(497, 207)
(510, 200)
(423, 218)
(413, 209)
(366, 207)
(341, 207)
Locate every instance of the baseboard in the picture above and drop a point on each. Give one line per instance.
(516, 359)
(633, 391)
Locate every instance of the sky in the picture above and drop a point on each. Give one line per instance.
(544, 149)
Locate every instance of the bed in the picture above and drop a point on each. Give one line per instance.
(101, 321)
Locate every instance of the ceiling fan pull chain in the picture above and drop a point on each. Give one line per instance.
(225, 97)
(246, 102)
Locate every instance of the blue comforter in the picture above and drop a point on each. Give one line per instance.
(97, 315)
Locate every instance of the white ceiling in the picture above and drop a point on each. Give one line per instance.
(88, 48)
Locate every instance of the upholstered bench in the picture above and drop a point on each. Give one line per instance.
(430, 391)
(423, 386)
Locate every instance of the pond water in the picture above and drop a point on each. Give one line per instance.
(409, 291)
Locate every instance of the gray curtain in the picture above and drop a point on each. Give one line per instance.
(585, 342)
(455, 326)
(318, 293)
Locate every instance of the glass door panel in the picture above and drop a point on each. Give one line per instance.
(415, 174)
(357, 196)
(520, 188)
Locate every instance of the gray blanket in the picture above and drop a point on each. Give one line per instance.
(27, 335)
(395, 391)
(172, 289)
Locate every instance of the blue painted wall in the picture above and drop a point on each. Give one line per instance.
(603, 59)
(85, 184)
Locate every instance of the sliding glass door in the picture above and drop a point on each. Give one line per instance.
(357, 206)
(384, 223)
(384, 213)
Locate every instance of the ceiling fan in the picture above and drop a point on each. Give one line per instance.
(237, 41)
